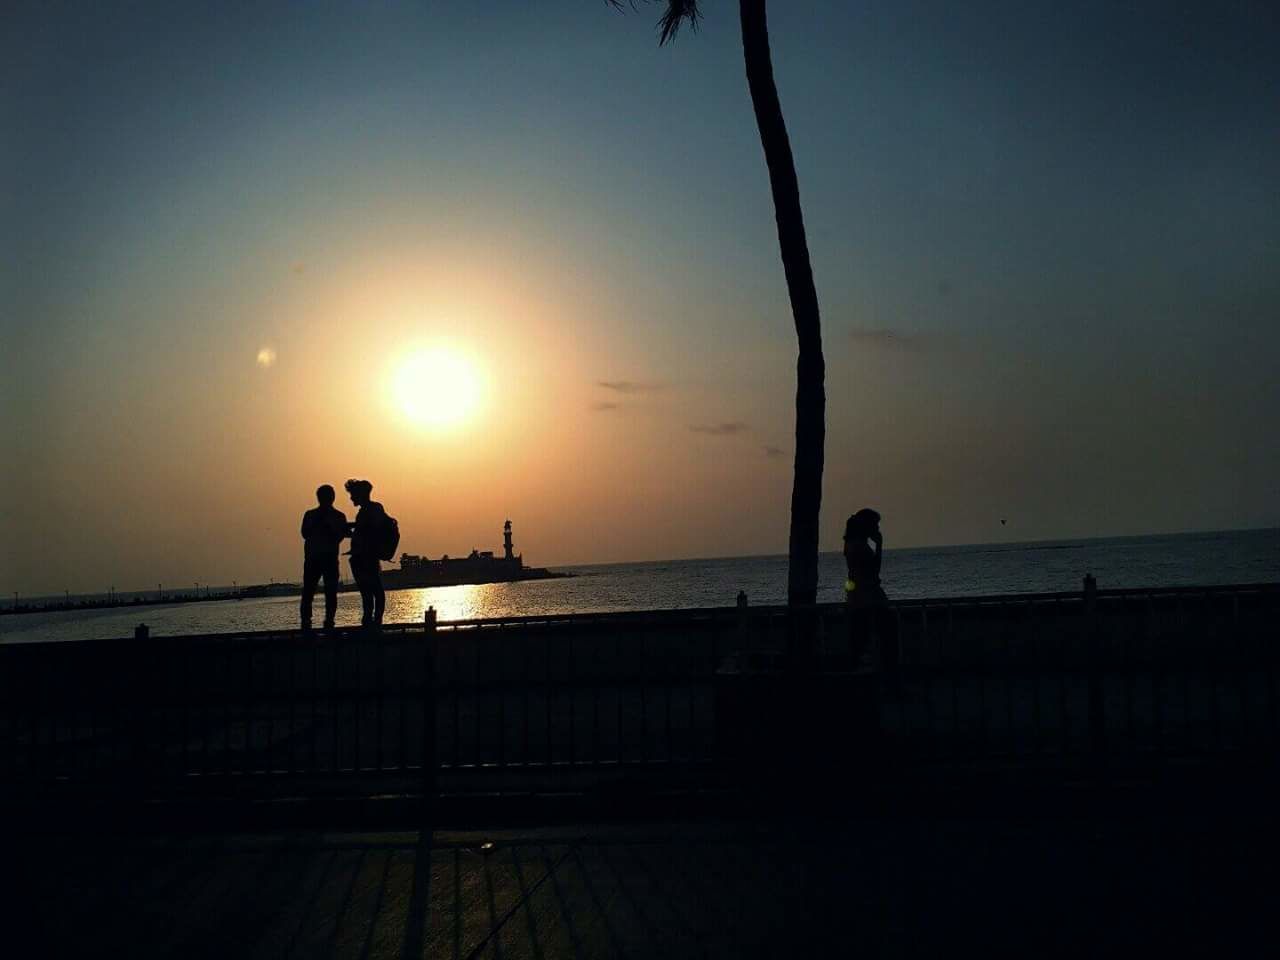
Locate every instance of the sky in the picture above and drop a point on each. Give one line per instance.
(1045, 237)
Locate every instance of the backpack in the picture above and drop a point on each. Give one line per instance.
(388, 538)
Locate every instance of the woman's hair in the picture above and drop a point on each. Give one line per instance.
(359, 486)
(861, 523)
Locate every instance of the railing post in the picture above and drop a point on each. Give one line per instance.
(1156, 655)
(140, 688)
(1093, 653)
(428, 710)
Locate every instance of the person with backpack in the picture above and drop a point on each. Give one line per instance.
(374, 537)
(323, 530)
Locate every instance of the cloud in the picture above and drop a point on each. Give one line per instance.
(886, 339)
(774, 453)
(605, 405)
(726, 429)
(629, 386)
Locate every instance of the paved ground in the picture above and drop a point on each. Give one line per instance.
(879, 887)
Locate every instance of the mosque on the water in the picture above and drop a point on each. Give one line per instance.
(479, 566)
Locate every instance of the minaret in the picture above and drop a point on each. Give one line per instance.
(506, 541)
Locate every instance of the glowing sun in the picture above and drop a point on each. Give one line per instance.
(438, 387)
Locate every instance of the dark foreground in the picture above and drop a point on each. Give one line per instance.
(937, 884)
(1045, 776)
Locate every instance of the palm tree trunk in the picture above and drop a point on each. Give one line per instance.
(811, 400)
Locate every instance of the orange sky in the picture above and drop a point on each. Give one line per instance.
(1035, 307)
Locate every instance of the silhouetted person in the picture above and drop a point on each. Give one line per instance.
(867, 606)
(323, 530)
(366, 540)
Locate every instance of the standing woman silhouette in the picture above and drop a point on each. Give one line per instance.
(866, 604)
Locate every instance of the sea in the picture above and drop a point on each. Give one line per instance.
(1189, 559)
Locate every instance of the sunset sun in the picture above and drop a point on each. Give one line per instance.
(438, 387)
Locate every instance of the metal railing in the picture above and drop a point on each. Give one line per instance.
(153, 709)
(1119, 676)
(516, 695)
(567, 700)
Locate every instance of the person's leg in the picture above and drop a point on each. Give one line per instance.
(330, 591)
(376, 594)
(859, 630)
(310, 576)
(379, 597)
(368, 591)
(362, 584)
(379, 593)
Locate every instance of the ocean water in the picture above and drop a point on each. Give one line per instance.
(1251, 556)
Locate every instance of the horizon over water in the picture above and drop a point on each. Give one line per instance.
(1184, 559)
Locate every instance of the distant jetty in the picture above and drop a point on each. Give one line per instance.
(148, 598)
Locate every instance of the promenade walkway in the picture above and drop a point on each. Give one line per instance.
(893, 887)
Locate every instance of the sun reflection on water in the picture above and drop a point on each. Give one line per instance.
(464, 602)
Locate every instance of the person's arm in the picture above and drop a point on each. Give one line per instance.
(878, 539)
(306, 525)
(341, 525)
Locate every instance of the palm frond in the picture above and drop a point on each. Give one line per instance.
(677, 13)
